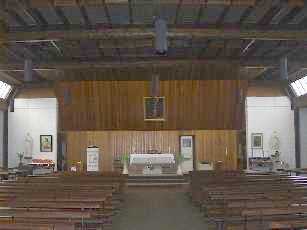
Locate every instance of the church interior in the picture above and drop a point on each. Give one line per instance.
(153, 114)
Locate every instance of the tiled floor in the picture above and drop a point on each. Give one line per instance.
(158, 209)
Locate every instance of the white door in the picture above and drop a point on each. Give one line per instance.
(186, 150)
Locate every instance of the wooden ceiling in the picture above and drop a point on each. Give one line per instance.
(80, 35)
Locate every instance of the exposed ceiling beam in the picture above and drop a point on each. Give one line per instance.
(291, 15)
(150, 61)
(106, 12)
(178, 8)
(85, 16)
(34, 14)
(200, 14)
(270, 14)
(59, 12)
(222, 16)
(247, 12)
(140, 33)
(131, 20)
(42, 3)
(9, 79)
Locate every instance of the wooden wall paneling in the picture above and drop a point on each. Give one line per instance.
(118, 105)
(210, 145)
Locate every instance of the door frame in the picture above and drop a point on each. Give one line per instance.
(193, 151)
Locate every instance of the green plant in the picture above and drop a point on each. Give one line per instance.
(180, 158)
(125, 158)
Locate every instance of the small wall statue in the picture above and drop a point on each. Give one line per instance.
(28, 148)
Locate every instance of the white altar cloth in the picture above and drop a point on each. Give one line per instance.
(165, 158)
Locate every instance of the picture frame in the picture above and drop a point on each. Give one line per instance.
(154, 108)
(46, 143)
(257, 140)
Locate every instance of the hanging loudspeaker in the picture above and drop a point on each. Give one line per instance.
(284, 68)
(161, 36)
(28, 71)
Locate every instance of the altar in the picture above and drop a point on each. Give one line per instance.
(152, 164)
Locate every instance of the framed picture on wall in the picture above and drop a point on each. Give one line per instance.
(257, 140)
(46, 143)
(154, 108)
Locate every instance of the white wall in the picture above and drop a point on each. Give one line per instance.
(266, 115)
(35, 116)
(303, 136)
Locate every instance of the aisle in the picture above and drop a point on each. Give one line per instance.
(158, 209)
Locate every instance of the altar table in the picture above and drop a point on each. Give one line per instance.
(164, 158)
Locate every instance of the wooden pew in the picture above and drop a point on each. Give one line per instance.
(234, 200)
(60, 201)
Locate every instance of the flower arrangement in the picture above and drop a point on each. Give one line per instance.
(180, 158)
(20, 156)
(125, 158)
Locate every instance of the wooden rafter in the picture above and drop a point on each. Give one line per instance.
(270, 14)
(151, 61)
(143, 33)
(41, 3)
(222, 16)
(291, 15)
(178, 8)
(247, 12)
(131, 20)
(33, 13)
(9, 79)
(59, 12)
(107, 13)
(85, 16)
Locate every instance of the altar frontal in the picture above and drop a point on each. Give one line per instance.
(152, 164)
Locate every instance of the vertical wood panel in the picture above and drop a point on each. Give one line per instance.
(118, 105)
(210, 145)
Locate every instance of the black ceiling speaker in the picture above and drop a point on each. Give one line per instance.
(161, 36)
(28, 71)
(284, 68)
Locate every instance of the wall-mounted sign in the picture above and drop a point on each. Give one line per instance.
(92, 159)
(154, 108)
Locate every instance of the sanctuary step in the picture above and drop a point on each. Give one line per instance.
(156, 181)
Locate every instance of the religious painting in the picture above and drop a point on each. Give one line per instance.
(154, 108)
(257, 140)
(46, 143)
